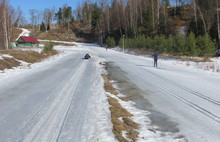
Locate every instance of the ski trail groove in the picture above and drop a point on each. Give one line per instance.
(183, 100)
(53, 116)
(29, 121)
(186, 89)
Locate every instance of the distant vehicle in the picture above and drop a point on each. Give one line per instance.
(217, 53)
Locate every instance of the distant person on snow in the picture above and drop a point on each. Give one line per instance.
(155, 55)
(87, 56)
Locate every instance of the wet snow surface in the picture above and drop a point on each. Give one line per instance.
(62, 99)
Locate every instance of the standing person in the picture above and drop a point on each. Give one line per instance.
(155, 55)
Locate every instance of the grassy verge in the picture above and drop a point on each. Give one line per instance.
(120, 117)
(19, 55)
(8, 63)
(55, 43)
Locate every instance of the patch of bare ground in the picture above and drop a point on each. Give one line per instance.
(15, 34)
(55, 34)
(120, 116)
(8, 63)
(56, 43)
(108, 85)
(26, 56)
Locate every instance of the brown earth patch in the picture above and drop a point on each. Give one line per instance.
(55, 34)
(57, 43)
(26, 56)
(8, 63)
(108, 85)
(120, 116)
(15, 34)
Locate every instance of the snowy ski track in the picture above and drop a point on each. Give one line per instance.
(40, 106)
(64, 101)
(186, 91)
(189, 97)
(54, 115)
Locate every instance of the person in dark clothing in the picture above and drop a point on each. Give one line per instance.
(87, 56)
(155, 55)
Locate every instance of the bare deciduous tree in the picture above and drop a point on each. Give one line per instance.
(195, 15)
(33, 14)
(6, 17)
(218, 9)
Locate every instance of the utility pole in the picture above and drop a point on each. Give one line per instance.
(123, 43)
(218, 9)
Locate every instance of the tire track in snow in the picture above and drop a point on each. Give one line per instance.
(50, 123)
(181, 99)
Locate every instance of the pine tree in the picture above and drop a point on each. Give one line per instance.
(206, 45)
(42, 27)
(170, 44)
(48, 27)
(147, 23)
(59, 16)
(180, 47)
(110, 42)
(86, 14)
(95, 15)
(191, 44)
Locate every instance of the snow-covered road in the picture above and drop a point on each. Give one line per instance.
(64, 100)
(52, 102)
(187, 96)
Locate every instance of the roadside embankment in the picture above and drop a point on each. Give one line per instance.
(14, 58)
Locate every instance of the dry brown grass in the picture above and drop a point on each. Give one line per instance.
(124, 99)
(8, 63)
(55, 43)
(122, 113)
(59, 34)
(128, 125)
(108, 86)
(15, 34)
(27, 56)
(117, 111)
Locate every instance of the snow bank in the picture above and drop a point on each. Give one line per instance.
(213, 66)
(99, 124)
(147, 132)
(25, 32)
(26, 67)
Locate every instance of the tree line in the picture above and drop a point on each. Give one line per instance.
(116, 18)
(152, 19)
(178, 45)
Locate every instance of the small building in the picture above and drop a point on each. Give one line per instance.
(26, 41)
